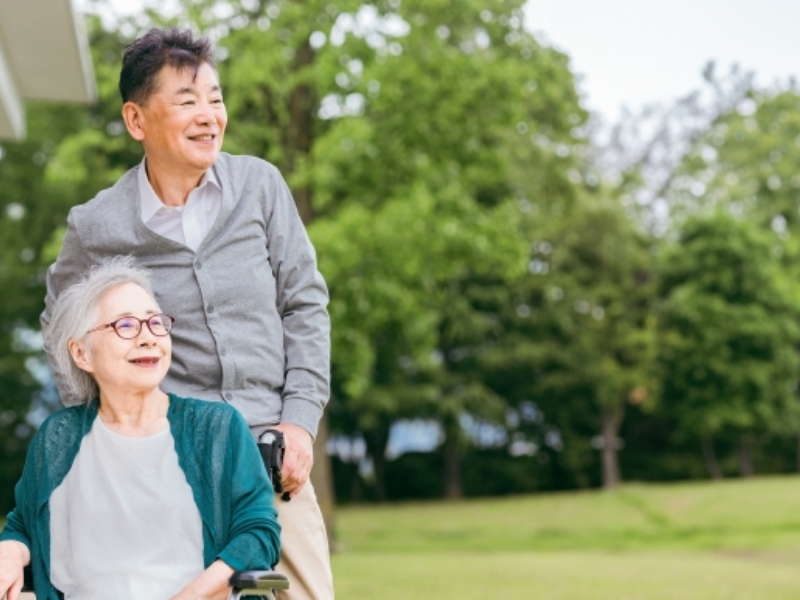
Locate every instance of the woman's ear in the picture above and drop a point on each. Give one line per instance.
(81, 355)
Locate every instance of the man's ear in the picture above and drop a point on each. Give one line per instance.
(81, 355)
(133, 116)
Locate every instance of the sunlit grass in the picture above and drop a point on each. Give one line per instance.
(760, 513)
(734, 539)
(561, 575)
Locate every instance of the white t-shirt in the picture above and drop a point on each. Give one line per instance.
(124, 523)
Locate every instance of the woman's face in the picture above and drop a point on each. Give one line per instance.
(119, 365)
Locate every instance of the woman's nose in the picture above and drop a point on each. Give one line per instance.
(145, 337)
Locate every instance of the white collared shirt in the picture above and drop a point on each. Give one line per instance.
(189, 224)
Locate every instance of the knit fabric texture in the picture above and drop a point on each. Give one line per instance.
(216, 452)
(252, 327)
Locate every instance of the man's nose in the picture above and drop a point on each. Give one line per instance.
(206, 115)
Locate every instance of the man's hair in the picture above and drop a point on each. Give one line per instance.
(143, 58)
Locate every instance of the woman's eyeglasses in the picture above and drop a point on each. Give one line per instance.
(129, 327)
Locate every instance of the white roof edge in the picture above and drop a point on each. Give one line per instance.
(12, 110)
(44, 55)
(85, 55)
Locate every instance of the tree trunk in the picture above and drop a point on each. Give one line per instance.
(299, 135)
(798, 452)
(746, 465)
(376, 440)
(712, 465)
(452, 471)
(322, 480)
(611, 420)
(356, 487)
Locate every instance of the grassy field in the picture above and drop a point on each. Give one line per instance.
(727, 540)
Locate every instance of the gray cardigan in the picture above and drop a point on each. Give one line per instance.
(252, 327)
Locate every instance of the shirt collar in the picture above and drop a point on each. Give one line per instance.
(151, 203)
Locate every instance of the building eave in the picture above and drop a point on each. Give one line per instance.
(44, 55)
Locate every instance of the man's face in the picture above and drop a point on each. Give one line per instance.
(182, 124)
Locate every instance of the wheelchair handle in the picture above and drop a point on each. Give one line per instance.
(272, 447)
(259, 580)
(257, 583)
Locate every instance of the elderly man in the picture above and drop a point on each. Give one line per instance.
(230, 259)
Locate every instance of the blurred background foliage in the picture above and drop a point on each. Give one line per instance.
(552, 307)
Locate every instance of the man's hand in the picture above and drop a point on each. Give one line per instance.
(298, 459)
(14, 556)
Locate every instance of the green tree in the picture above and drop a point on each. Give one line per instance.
(729, 335)
(29, 212)
(468, 124)
(395, 273)
(746, 162)
(580, 333)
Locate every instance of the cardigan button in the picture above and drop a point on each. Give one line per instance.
(198, 265)
(210, 308)
(228, 396)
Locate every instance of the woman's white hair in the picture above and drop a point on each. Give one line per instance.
(75, 312)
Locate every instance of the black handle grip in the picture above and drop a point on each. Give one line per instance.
(272, 447)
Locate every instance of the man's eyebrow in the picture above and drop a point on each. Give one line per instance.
(191, 90)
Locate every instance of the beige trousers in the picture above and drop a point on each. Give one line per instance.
(305, 558)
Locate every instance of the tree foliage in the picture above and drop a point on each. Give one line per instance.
(745, 163)
(490, 265)
(730, 332)
(579, 339)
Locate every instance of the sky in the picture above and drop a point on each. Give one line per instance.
(633, 52)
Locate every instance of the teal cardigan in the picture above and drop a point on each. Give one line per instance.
(222, 466)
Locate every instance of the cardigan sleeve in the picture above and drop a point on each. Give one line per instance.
(302, 300)
(48, 460)
(15, 530)
(254, 540)
(19, 525)
(19, 522)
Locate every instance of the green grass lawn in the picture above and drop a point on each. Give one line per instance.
(731, 540)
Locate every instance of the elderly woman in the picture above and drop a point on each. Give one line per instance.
(136, 493)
